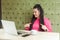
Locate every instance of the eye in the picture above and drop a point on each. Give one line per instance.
(35, 11)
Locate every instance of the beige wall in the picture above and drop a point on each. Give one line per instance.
(20, 11)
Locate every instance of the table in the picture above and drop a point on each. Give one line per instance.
(38, 36)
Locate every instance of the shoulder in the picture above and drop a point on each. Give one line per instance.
(46, 20)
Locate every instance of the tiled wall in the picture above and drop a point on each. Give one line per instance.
(20, 11)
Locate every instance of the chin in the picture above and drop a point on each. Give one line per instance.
(35, 16)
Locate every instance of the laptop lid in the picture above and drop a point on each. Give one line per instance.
(9, 27)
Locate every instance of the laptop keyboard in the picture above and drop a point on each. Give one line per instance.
(21, 32)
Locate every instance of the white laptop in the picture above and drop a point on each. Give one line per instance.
(10, 28)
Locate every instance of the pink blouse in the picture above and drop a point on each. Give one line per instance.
(46, 23)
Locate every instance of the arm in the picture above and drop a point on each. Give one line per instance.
(48, 25)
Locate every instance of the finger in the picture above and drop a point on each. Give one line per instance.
(41, 24)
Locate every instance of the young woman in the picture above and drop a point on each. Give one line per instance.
(39, 22)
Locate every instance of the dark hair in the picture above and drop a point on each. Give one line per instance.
(41, 21)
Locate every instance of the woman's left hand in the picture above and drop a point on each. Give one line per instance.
(44, 27)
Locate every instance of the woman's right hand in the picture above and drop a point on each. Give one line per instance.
(27, 25)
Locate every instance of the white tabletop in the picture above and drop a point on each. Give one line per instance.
(38, 36)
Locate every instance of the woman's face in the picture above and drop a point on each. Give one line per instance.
(36, 12)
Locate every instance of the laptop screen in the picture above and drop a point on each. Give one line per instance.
(9, 27)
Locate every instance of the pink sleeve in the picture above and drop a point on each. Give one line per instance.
(48, 24)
